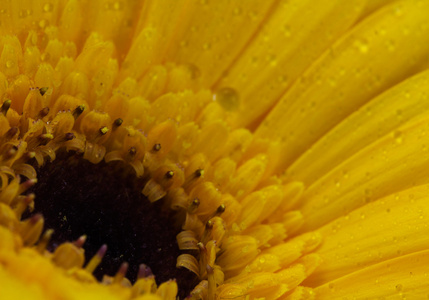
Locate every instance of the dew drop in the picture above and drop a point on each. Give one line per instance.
(362, 46)
(391, 45)
(23, 13)
(272, 60)
(228, 98)
(397, 135)
(42, 23)
(399, 114)
(193, 70)
(286, 31)
(48, 7)
(398, 11)
(253, 15)
(9, 64)
(118, 6)
(237, 11)
(282, 79)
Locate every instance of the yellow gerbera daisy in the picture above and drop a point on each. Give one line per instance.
(214, 149)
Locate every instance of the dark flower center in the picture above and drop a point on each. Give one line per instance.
(104, 202)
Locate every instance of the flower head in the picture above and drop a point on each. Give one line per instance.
(213, 149)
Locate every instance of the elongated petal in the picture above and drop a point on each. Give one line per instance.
(356, 69)
(392, 226)
(399, 278)
(396, 162)
(220, 29)
(286, 45)
(386, 112)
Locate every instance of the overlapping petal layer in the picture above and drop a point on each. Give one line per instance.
(288, 134)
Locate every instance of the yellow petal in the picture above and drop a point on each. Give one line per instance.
(371, 6)
(356, 69)
(385, 112)
(392, 226)
(215, 35)
(284, 47)
(393, 163)
(398, 278)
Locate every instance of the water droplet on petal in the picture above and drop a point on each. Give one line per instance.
(193, 70)
(362, 46)
(48, 7)
(286, 31)
(9, 64)
(237, 11)
(118, 6)
(228, 98)
(397, 135)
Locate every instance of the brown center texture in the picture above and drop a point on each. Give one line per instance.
(104, 202)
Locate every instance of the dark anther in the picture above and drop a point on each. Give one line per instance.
(156, 147)
(103, 130)
(43, 90)
(69, 136)
(78, 111)
(44, 112)
(196, 202)
(194, 205)
(220, 209)
(199, 173)
(169, 174)
(209, 224)
(118, 122)
(132, 151)
(5, 107)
